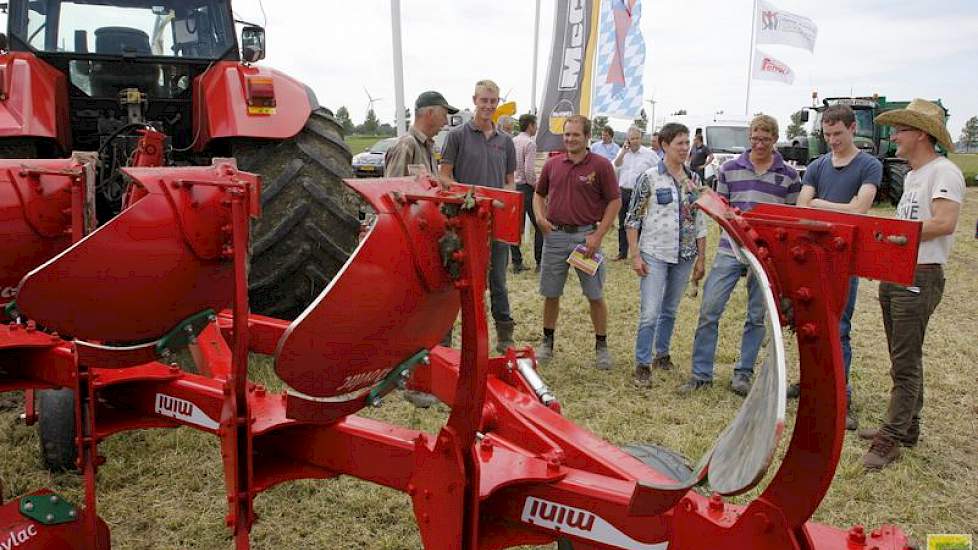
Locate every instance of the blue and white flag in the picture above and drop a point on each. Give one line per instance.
(620, 61)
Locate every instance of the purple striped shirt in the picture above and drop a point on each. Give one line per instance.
(740, 184)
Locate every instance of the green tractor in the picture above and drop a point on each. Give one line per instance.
(870, 137)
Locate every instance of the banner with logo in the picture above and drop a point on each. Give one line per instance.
(775, 26)
(620, 64)
(569, 75)
(766, 67)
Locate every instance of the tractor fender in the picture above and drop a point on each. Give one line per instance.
(33, 100)
(221, 105)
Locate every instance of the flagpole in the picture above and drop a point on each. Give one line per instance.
(399, 119)
(536, 47)
(750, 57)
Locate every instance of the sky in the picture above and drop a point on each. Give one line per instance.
(696, 52)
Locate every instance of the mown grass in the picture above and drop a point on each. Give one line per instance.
(358, 143)
(968, 163)
(163, 489)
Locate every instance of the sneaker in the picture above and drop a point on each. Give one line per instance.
(882, 451)
(419, 399)
(643, 376)
(664, 362)
(794, 391)
(870, 434)
(852, 423)
(740, 384)
(545, 351)
(692, 385)
(602, 358)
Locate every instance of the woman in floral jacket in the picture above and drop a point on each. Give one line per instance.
(666, 241)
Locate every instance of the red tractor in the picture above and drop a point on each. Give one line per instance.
(93, 75)
(99, 75)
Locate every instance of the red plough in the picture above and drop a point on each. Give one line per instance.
(506, 469)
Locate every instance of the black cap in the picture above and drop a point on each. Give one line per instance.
(432, 98)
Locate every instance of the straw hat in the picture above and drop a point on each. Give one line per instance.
(924, 116)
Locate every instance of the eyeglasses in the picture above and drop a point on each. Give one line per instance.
(894, 131)
(761, 140)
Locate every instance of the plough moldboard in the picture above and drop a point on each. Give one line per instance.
(103, 316)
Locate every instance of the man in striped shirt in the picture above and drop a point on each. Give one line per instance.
(526, 181)
(759, 175)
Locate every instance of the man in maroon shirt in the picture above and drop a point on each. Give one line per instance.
(575, 204)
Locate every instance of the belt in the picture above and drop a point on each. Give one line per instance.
(576, 228)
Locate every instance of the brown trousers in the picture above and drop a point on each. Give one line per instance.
(906, 311)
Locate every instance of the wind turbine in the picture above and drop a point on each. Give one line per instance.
(652, 102)
(371, 100)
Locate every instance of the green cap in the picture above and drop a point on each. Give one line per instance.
(432, 98)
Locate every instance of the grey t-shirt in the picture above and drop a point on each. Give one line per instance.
(477, 160)
(842, 184)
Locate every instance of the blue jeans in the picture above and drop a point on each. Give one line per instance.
(845, 327)
(661, 290)
(498, 294)
(724, 273)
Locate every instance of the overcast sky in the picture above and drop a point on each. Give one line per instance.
(696, 59)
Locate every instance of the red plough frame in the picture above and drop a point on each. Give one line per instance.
(506, 469)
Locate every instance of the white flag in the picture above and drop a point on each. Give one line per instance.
(767, 67)
(780, 27)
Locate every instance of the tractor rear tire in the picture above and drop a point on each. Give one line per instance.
(56, 429)
(896, 173)
(309, 222)
(663, 460)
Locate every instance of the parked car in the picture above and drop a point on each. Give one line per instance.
(370, 163)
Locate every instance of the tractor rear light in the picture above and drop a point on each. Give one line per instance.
(260, 92)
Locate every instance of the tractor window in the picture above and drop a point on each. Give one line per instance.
(200, 29)
(864, 123)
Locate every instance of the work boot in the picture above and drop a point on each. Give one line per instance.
(504, 335)
(545, 351)
(870, 434)
(419, 399)
(643, 376)
(663, 362)
(852, 423)
(740, 384)
(882, 451)
(794, 391)
(692, 385)
(519, 268)
(602, 358)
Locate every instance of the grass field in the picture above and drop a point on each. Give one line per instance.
(968, 165)
(164, 489)
(358, 143)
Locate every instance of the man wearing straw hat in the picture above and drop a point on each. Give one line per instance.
(932, 193)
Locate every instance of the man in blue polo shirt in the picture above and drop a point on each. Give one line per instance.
(844, 180)
(757, 176)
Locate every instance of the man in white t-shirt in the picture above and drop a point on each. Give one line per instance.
(632, 161)
(932, 193)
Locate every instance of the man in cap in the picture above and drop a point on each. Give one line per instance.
(933, 191)
(410, 153)
(415, 148)
(477, 153)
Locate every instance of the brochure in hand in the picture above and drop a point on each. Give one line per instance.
(582, 262)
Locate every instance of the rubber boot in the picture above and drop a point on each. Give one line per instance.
(504, 335)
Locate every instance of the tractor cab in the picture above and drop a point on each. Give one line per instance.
(109, 46)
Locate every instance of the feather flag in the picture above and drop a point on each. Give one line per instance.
(618, 87)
